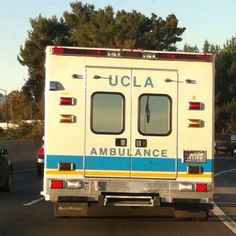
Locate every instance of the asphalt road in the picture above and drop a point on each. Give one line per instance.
(24, 212)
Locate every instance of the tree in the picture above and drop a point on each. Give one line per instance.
(188, 48)
(87, 27)
(211, 48)
(226, 87)
(44, 32)
(102, 28)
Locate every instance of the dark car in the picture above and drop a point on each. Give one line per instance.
(6, 171)
(222, 144)
(40, 161)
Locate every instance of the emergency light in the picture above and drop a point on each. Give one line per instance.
(130, 53)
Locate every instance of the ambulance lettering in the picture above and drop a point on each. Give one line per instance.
(125, 81)
(121, 152)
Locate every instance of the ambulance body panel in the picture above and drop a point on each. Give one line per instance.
(130, 127)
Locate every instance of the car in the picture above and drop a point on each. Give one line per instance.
(234, 151)
(222, 144)
(40, 161)
(6, 171)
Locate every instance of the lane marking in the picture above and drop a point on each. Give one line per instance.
(226, 220)
(34, 201)
(224, 172)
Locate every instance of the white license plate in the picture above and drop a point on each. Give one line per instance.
(195, 156)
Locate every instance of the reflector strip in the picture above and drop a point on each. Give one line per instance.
(129, 53)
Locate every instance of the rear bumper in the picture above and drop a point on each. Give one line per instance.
(90, 190)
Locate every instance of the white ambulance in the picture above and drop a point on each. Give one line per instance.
(129, 128)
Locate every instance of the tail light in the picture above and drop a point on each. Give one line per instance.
(57, 184)
(201, 187)
(41, 152)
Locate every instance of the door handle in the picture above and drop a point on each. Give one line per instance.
(121, 142)
(140, 142)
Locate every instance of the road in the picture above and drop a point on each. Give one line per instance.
(24, 212)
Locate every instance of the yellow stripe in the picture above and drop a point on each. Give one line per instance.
(128, 174)
(207, 175)
(113, 174)
(57, 172)
(107, 174)
(153, 175)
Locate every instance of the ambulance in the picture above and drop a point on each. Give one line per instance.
(129, 128)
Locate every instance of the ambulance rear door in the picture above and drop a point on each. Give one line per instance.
(131, 123)
(154, 123)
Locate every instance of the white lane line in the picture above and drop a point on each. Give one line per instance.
(34, 201)
(228, 221)
(224, 172)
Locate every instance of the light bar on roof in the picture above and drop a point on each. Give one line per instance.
(130, 53)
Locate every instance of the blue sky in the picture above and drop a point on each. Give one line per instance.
(214, 20)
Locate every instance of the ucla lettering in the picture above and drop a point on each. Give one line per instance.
(126, 81)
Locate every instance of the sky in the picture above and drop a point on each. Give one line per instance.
(212, 20)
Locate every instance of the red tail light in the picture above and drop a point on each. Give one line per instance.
(57, 184)
(201, 187)
(41, 152)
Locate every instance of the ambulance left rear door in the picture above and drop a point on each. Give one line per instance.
(107, 137)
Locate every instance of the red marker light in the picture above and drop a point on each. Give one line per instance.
(66, 101)
(195, 106)
(201, 187)
(57, 184)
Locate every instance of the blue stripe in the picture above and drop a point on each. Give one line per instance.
(153, 164)
(53, 160)
(108, 163)
(208, 166)
(124, 164)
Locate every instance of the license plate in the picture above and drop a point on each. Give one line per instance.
(195, 156)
